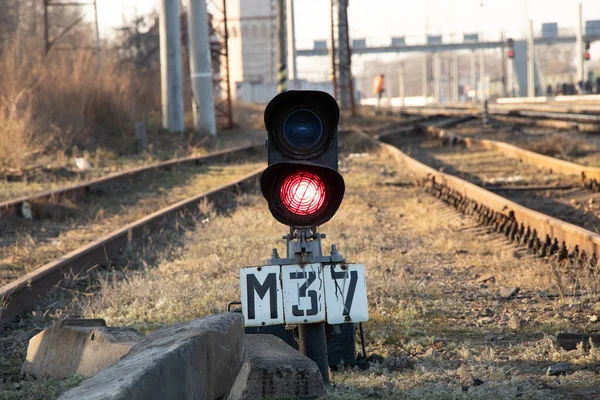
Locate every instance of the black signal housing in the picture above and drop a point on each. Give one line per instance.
(302, 141)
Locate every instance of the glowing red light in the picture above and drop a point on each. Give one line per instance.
(511, 53)
(587, 55)
(303, 193)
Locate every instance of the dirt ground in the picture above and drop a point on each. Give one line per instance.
(436, 281)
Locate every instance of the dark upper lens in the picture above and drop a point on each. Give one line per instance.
(302, 128)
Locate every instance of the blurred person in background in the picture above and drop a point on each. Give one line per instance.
(378, 88)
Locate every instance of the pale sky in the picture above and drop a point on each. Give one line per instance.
(380, 19)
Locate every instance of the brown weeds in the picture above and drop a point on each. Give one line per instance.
(61, 100)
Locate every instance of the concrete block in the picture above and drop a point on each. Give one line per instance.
(199, 360)
(77, 346)
(273, 369)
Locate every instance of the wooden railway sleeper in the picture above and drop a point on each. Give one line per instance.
(525, 238)
(548, 249)
(563, 252)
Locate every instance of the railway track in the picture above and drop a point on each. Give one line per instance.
(19, 295)
(546, 235)
(589, 123)
(551, 213)
(76, 192)
(141, 201)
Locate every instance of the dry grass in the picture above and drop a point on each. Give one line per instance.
(423, 260)
(440, 330)
(568, 145)
(559, 146)
(26, 245)
(60, 101)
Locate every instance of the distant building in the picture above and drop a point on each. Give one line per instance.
(253, 50)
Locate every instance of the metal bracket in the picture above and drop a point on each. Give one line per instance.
(303, 246)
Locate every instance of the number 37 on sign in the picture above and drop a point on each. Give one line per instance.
(304, 294)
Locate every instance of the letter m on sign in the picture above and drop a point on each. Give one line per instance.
(261, 292)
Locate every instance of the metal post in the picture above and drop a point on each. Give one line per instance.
(579, 52)
(282, 42)
(530, 62)
(98, 45)
(291, 36)
(473, 77)
(170, 66)
(226, 62)
(344, 55)
(456, 78)
(437, 79)
(482, 74)
(312, 342)
(503, 58)
(332, 50)
(402, 84)
(46, 29)
(18, 33)
(424, 78)
(203, 103)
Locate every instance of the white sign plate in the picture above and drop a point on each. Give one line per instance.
(346, 293)
(261, 296)
(303, 294)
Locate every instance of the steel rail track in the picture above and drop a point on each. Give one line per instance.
(590, 176)
(582, 122)
(78, 191)
(545, 235)
(23, 293)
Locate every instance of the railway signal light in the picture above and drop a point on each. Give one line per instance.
(301, 183)
(511, 51)
(586, 55)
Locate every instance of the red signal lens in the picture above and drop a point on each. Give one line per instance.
(303, 193)
(511, 53)
(587, 55)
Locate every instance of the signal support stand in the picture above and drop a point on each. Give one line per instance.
(304, 247)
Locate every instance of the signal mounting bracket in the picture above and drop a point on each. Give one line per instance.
(304, 247)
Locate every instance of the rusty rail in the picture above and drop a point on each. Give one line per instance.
(75, 192)
(546, 236)
(590, 176)
(21, 294)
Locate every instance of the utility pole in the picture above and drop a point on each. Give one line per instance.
(98, 45)
(482, 74)
(402, 84)
(456, 78)
(46, 29)
(18, 33)
(332, 50)
(345, 84)
(203, 103)
(579, 49)
(437, 79)
(170, 66)
(503, 58)
(530, 62)
(291, 36)
(282, 73)
(425, 78)
(473, 77)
